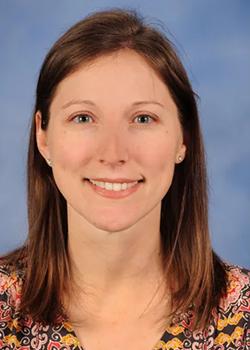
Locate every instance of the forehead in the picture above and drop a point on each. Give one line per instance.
(117, 78)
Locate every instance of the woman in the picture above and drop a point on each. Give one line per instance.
(118, 251)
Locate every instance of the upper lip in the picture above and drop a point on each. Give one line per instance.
(119, 180)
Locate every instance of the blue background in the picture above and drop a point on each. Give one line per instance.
(213, 40)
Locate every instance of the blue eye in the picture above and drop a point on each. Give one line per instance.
(82, 118)
(144, 118)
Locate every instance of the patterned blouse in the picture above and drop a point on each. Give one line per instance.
(229, 329)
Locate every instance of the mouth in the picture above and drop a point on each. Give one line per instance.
(114, 185)
(114, 190)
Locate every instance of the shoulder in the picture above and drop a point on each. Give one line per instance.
(21, 331)
(237, 295)
(11, 280)
(233, 316)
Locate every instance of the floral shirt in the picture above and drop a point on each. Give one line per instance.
(229, 329)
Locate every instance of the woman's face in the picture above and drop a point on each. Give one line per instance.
(115, 121)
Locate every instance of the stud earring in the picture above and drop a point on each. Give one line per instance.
(179, 158)
(49, 162)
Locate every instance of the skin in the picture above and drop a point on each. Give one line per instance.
(113, 243)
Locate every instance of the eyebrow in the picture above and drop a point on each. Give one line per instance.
(89, 102)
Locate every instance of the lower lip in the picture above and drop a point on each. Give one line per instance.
(114, 194)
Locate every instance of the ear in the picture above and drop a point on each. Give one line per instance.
(181, 153)
(41, 137)
(183, 150)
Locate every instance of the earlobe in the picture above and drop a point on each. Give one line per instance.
(41, 136)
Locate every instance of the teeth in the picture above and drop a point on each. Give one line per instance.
(108, 186)
(113, 186)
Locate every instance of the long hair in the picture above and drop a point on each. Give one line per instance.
(190, 265)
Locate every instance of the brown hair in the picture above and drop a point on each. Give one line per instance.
(196, 271)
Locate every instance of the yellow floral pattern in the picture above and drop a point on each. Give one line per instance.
(229, 329)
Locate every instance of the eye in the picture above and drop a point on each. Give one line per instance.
(144, 119)
(82, 118)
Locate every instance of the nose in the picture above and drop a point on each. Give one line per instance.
(113, 148)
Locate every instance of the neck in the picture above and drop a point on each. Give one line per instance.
(110, 259)
(113, 266)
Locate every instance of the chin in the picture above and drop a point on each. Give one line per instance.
(112, 225)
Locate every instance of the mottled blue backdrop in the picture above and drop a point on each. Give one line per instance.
(213, 39)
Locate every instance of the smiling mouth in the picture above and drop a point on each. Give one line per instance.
(114, 186)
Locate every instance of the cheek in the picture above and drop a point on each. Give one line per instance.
(157, 153)
(159, 164)
(70, 151)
